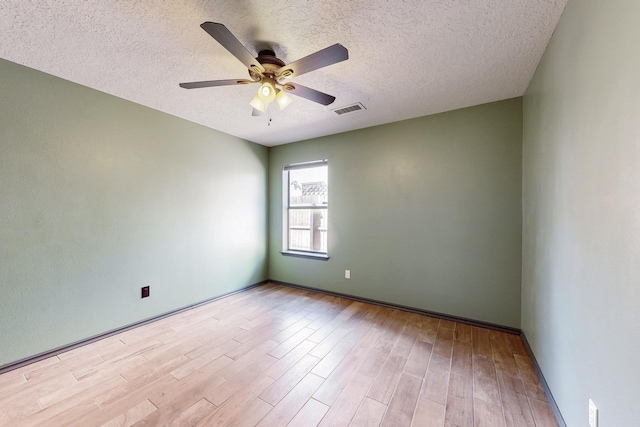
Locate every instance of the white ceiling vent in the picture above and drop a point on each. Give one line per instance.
(349, 109)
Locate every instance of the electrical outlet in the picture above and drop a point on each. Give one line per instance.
(593, 414)
(144, 292)
(347, 274)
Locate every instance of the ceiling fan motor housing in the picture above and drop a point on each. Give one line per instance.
(270, 63)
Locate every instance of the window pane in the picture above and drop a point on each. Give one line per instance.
(308, 186)
(308, 229)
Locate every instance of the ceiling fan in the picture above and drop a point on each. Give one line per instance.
(272, 72)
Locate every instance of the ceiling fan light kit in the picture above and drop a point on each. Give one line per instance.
(282, 99)
(267, 91)
(258, 104)
(271, 71)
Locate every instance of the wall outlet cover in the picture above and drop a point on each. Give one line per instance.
(144, 291)
(593, 414)
(347, 274)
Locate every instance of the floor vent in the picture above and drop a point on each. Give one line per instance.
(349, 109)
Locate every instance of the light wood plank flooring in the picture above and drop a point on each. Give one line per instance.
(275, 356)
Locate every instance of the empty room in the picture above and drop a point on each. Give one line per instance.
(246, 213)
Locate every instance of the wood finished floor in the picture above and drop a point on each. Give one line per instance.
(275, 356)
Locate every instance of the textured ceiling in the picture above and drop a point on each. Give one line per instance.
(407, 58)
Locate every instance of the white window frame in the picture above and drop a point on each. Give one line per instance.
(286, 208)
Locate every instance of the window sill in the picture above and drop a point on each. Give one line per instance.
(308, 255)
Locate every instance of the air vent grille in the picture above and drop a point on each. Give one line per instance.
(349, 109)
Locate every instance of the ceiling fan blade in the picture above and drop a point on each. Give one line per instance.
(308, 93)
(211, 83)
(232, 44)
(321, 58)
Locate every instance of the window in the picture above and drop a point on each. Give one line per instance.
(306, 209)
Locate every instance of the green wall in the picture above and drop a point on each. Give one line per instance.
(424, 212)
(100, 196)
(581, 223)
